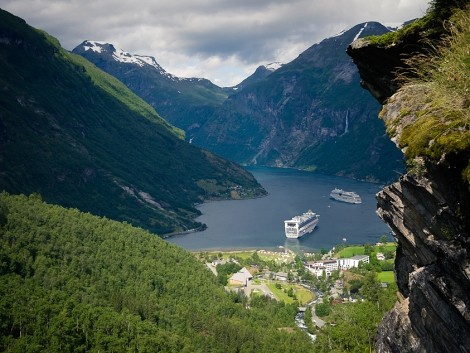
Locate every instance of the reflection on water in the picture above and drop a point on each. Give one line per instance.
(259, 223)
(293, 245)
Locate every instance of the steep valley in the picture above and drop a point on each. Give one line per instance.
(309, 114)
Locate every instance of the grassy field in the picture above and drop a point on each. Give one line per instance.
(391, 247)
(351, 251)
(263, 255)
(303, 295)
(386, 276)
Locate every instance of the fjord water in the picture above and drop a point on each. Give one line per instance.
(259, 223)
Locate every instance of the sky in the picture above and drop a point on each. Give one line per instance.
(221, 40)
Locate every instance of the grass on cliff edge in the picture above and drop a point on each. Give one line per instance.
(428, 26)
(444, 126)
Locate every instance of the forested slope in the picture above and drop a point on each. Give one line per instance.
(70, 281)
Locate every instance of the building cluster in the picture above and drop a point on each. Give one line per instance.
(330, 265)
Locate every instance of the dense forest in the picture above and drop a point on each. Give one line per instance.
(74, 282)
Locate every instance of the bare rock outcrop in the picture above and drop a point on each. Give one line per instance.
(432, 265)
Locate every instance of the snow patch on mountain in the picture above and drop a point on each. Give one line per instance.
(360, 32)
(273, 66)
(338, 35)
(93, 47)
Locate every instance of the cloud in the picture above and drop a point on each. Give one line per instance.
(222, 40)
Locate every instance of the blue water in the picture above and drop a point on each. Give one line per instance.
(259, 223)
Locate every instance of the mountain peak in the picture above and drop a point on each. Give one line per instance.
(120, 55)
(364, 29)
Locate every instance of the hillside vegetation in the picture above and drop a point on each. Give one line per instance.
(81, 138)
(70, 282)
(436, 120)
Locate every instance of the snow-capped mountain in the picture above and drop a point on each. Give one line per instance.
(181, 101)
(310, 113)
(103, 49)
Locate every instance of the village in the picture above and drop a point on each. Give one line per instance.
(310, 280)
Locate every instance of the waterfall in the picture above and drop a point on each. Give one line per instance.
(346, 124)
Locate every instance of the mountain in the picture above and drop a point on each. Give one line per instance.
(184, 102)
(311, 114)
(427, 115)
(80, 138)
(260, 74)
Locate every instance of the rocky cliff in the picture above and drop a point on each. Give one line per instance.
(427, 208)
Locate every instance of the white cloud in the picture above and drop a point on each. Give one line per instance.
(222, 40)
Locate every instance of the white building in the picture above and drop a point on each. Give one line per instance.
(242, 277)
(322, 266)
(328, 266)
(346, 264)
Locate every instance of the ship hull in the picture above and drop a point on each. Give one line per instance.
(302, 232)
(345, 200)
(298, 226)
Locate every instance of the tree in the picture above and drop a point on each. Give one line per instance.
(290, 276)
(323, 309)
(371, 287)
(383, 239)
(389, 254)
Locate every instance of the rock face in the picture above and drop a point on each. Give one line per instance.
(432, 265)
(378, 74)
(428, 210)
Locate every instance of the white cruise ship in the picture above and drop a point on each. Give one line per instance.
(345, 196)
(301, 225)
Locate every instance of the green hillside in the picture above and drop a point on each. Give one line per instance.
(80, 138)
(73, 282)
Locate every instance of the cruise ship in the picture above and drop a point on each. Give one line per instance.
(345, 196)
(301, 225)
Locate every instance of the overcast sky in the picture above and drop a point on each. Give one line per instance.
(222, 40)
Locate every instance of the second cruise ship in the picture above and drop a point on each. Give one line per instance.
(345, 196)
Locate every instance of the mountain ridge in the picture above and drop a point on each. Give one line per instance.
(297, 117)
(181, 101)
(294, 116)
(80, 138)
